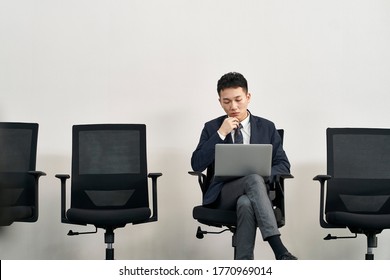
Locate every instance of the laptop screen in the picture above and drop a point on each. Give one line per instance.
(237, 160)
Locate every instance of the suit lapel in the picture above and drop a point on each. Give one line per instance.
(254, 131)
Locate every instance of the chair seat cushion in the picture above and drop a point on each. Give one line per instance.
(214, 217)
(108, 218)
(11, 214)
(359, 221)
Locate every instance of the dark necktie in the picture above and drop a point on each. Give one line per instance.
(238, 135)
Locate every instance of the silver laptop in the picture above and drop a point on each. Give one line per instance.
(237, 160)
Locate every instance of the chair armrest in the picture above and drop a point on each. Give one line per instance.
(281, 177)
(37, 174)
(63, 178)
(278, 179)
(201, 179)
(322, 178)
(196, 173)
(154, 177)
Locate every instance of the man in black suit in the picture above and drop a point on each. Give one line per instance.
(249, 194)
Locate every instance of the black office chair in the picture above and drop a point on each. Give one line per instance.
(227, 220)
(355, 193)
(19, 181)
(109, 182)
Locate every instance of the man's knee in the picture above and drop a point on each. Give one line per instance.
(255, 184)
(244, 204)
(254, 178)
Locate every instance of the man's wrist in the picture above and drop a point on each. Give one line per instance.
(221, 135)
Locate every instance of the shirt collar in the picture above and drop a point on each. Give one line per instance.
(245, 122)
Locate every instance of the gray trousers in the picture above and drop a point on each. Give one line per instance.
(249, 196)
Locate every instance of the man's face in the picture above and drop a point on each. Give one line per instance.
(234, 102)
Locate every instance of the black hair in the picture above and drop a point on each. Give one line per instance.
(232, 80)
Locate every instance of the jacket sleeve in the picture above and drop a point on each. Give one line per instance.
(280, 162)
(204, 153)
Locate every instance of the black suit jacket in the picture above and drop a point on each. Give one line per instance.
(263, 131)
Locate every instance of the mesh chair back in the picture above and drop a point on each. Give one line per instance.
(18, 142)
(359, 163)
(109, 167)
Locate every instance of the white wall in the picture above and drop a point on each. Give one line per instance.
(310, 65)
